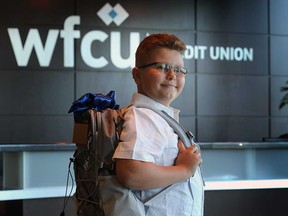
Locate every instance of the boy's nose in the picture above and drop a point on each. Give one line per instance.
(171, 74)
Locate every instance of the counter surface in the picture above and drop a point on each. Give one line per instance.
(203, 145)
(228, 166)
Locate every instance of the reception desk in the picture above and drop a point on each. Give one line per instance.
(39, 171)
(245, 161)
(35, 170)
(248, 179)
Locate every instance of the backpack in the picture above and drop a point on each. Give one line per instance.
(97, 127)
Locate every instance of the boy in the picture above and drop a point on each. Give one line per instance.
(150, 157)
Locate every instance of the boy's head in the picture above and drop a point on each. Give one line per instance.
(159, 72)
(155, 41)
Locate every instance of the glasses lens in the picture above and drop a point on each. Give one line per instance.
(182, 70)
(161, 66)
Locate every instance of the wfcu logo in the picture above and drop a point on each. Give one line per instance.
(44, 49)
(116, 14)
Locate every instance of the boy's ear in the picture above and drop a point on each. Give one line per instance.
(136, 75)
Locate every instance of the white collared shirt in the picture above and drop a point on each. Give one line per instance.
(146, 136)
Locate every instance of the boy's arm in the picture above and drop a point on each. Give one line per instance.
(140, 175)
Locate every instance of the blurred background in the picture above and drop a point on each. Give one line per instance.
(52, 52)
(237, 62)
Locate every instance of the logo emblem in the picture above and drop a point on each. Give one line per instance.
(109, 14)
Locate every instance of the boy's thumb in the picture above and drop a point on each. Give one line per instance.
(181, 146)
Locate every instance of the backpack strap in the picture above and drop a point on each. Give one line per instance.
(186, 137)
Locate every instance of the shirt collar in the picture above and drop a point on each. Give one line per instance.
(138, 98)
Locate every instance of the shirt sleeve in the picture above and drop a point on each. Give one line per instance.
(144, 137)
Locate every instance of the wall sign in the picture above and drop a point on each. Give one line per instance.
(44, 49)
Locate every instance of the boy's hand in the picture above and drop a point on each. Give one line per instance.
(188, 158)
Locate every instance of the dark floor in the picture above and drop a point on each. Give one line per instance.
(258, 202)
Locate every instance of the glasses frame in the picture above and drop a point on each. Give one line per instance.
(179, 71)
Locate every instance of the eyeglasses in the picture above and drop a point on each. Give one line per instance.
(166, 68)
